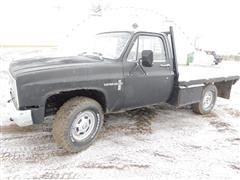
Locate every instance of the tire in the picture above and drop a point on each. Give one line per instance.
(206, 103)
(77, 124)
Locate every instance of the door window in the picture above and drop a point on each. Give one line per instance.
(148, 43)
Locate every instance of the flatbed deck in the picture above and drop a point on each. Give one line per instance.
(196, 74)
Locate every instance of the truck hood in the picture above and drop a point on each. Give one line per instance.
(38, 64)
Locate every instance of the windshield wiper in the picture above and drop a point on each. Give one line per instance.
(92, 54)
(98, 53)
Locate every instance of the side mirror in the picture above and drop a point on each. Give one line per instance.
(147, 58)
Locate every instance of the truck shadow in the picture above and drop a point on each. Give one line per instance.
(131, 122)
(134, 122)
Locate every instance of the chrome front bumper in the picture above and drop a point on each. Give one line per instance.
(20, 117)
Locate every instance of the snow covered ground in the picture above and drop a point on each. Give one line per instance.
(147, 143)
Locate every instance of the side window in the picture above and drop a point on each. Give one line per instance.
(155, 44)
(148, 43)
(132, 56)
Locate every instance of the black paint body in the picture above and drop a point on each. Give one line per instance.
(40, 79)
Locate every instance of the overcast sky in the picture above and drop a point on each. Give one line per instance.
(215, 23)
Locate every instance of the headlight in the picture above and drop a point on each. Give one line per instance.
(13, 90)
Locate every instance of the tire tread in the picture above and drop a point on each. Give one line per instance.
(61, 120)
(197, 107)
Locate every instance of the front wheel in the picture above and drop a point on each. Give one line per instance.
(77, 123)
(208, 100)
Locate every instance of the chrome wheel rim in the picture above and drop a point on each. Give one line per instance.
(207, 100)
(82, 126)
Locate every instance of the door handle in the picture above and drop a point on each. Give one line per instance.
(165, 65)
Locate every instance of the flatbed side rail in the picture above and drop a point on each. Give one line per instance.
(190, 92)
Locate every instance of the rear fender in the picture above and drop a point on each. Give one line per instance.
(224, 88)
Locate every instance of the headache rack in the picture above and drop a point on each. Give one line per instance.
(170, 35)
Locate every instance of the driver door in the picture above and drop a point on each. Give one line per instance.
(147, 85)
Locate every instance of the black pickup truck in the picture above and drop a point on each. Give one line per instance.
(125, 70)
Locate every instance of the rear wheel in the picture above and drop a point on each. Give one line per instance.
(77, 123)
(208, 100)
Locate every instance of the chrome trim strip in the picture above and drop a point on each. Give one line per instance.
(192, 86)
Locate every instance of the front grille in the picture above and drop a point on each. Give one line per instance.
(13, 90)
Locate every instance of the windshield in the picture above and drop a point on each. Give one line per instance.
(111, 45)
